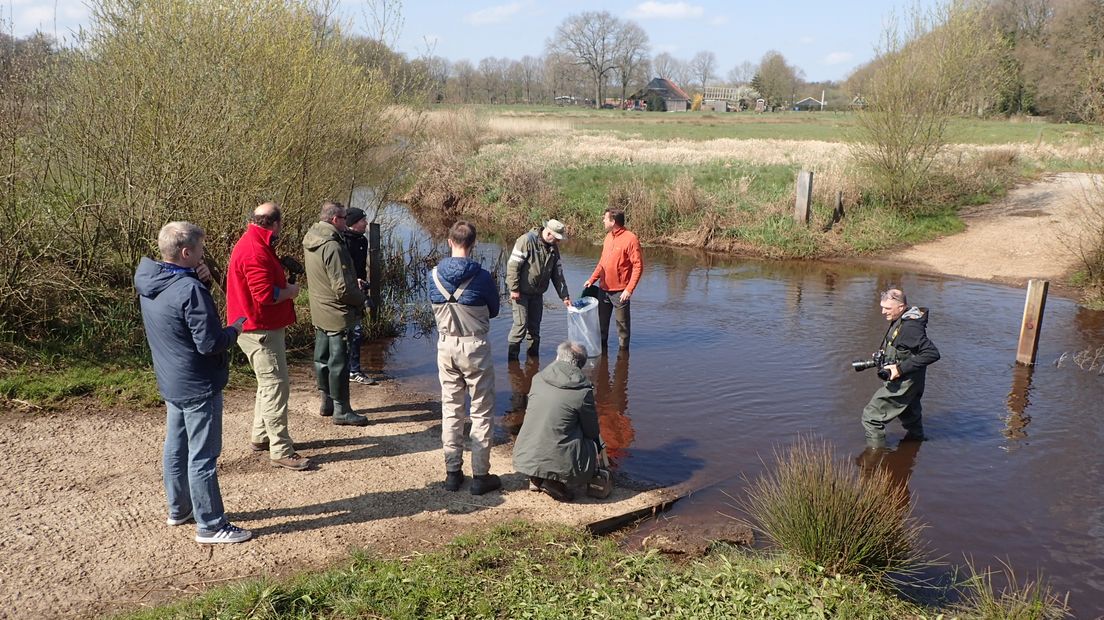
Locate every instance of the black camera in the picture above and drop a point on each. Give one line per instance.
(876, 361)
(294, 267)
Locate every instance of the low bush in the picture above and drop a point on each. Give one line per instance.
(821, 510)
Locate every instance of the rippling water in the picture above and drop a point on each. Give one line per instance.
(732, 359)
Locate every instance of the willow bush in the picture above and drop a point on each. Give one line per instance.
(174, 110)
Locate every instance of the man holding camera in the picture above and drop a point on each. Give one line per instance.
(902, 359)
(336, 304)
(257, 288)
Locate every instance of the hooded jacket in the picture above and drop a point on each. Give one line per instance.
(533, 264)
(336, 301)
(253, 280)
(558, 438)
(906, 342)
(471, 313)
(184, 331)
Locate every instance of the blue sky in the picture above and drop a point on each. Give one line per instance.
(826, 38)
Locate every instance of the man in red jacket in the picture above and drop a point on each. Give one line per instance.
(257, 289)
(617, 274)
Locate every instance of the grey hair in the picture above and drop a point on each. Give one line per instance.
(330, 210)
(895, 294)
(573, 352)
(175, 236)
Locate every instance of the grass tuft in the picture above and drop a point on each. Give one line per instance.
(1014, 600)
(821, 510)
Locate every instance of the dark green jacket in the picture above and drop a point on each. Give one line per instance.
(533, 264)
(558, 438)
(336, 301)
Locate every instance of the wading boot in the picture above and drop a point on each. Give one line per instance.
(349, 419)
(485, 484)
(326, 408)
(453, 480)
(513, 351)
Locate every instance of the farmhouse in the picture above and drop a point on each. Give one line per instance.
(663, 94)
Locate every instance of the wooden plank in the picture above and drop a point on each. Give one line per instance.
(1032, 321)
(803, 202)
(612, 524)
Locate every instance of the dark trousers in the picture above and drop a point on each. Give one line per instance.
(610, 304)
(331, 367)
(356, 338)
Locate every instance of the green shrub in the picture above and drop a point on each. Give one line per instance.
(822, 511)
(1030, 600)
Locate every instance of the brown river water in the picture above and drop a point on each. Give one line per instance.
(732, 359)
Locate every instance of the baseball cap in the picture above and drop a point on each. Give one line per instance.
(557, 228)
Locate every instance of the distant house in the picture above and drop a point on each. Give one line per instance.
(808, 104)
(673, 98)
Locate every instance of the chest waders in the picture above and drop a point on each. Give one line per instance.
(899, 398)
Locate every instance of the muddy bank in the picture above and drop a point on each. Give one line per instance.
(84, 515)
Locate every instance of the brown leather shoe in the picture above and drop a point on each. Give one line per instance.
(295, 461)
(259, 447)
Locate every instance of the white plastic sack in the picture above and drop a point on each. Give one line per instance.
(582, 324)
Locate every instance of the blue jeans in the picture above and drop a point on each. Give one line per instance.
(356, 337)
(193, 442)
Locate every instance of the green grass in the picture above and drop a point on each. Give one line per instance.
(519, 570)
(109, 385)
(828, 126)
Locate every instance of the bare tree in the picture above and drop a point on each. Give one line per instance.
(704, 67)
(741, 73)
(775, 79)
(632, 55)
(591, 40)
(531, 74)
(665, 65)
(464, 78)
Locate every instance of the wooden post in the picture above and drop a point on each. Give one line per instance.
(802, 206)
(1032, 321)
(375, 268)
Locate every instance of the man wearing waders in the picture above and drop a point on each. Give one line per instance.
(465, 299)
(534, 262)
(907, 352)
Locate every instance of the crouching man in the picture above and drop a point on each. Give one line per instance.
(558, 445)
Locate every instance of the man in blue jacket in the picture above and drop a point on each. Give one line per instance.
(189, 346)
(465, 299)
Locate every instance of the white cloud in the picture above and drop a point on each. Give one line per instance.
(666, 10)
(28, 16)
(494, 14)
(719, 20)
(838, 58)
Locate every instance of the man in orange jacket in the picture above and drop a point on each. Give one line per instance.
(617, 274)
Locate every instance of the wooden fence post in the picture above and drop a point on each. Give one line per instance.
(375, 268)
(803, 204)
(1032, 321)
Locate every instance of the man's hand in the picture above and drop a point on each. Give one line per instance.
(567, 302)
(514, 295)
(238, 325)
(625, 295)
(290, 292)
(586, 284)
(203, 273)
(894, 372)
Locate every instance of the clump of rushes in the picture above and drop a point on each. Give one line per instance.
(822, 511)
(1030, 600)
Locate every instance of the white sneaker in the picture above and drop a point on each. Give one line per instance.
(227, 534)
(362, 378)
(181, 521)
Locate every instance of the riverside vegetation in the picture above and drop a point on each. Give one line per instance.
(522, 570)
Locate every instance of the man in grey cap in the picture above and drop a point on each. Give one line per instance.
(534, 262)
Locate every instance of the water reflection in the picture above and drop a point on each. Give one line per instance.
(897, 463)
(611, 396)
(1019, 397)
(521, 380)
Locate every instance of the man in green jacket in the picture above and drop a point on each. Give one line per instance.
(336, 305)
(557, 446)
(534, 262)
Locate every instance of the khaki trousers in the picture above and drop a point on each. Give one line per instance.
(267, 355)
(465, 368)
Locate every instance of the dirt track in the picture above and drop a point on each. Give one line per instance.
(84, 509)
(1030, 234)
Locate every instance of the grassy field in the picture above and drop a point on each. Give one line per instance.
(827, 126)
